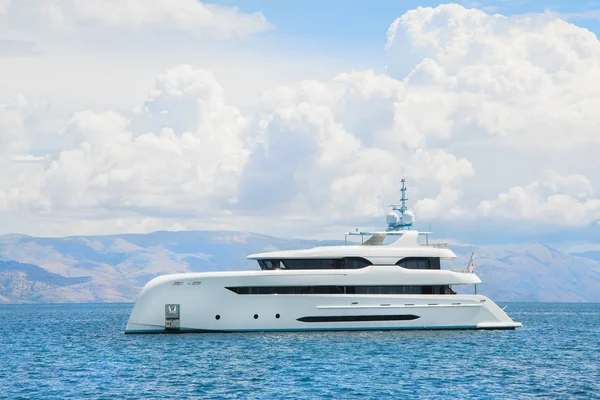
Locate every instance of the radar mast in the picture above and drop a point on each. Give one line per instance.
(400, 217)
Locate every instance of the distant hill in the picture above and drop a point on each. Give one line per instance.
(115, 267)
(535, 272)
(594, 254)
(25, 282)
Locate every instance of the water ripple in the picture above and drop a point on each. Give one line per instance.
(80, 351)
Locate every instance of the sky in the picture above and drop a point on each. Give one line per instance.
(299, 118)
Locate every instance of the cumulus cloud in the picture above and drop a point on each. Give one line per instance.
(339, 148)
(439, 165)
(563, 200)
(20, 118)
(449, 172)
(166, 171)
(184, 15)
(185, 153)
(460, 83)
(524, 80)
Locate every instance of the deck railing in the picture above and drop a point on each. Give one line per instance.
(439, 245)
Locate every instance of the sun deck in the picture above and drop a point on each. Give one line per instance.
(378, 238)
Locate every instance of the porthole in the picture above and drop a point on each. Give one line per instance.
(255, 316)
(217, 317)
(277, 316)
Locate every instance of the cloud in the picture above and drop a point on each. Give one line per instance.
(185, 153)
(17, 48)
(449, 172)
(523, 80)
(339, 148)
(439, 165)
(168, 171)
(182, 15)
(471, 104)
(13, 132)
(562, 200)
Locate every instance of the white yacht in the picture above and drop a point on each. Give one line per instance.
(369, 285)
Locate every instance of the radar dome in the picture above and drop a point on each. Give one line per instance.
(392, 218)
(408, 217)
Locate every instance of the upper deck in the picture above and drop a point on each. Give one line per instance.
(373, 249)
(405, 238)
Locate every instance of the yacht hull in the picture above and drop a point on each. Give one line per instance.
(176, 305)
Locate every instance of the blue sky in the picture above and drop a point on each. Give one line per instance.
(335, 23)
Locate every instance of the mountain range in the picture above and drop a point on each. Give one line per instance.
(114, 268)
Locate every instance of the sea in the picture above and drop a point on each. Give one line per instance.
(79, 351)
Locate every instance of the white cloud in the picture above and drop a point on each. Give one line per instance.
(563, 200)
(439, 165)
(161, 172)
(17, 48)
(22, 121)
(576, 185)
(523, 79)
(185, 152)
(463, 86)
(449, 172)
(339, 148)
(184, 15)
(12, 126)
(443, 206)
(14, 140)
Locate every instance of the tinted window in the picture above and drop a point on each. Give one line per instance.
(355, 263)
(312, 264)
(341, 263)
(420, 263)
(356, 318)
(339, 289)
(294, 264)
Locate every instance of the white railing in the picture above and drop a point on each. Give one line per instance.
(333, 244)
(438, 245)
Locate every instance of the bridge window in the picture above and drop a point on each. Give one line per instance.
(419, 263)
(356, 263)
(316, 263)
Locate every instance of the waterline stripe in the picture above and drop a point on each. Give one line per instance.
(399, 328)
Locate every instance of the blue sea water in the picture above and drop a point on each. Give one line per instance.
(80, 351)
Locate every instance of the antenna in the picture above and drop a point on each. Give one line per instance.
(403, 199)
(404, 218)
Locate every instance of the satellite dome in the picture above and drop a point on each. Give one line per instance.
(408, 217)
(392, 218)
